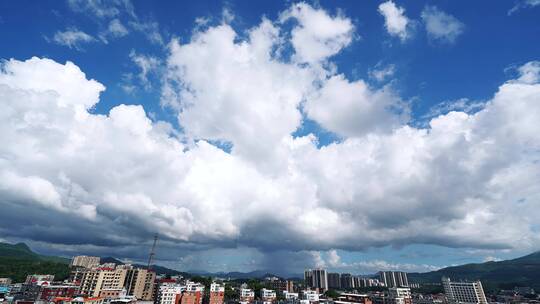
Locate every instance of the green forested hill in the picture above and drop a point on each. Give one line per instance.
(523, 271)
(17, 261)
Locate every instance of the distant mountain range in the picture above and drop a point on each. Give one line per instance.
(18, 260)
(257, 274)
(523, 271)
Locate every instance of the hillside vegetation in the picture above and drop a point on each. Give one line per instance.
(523, 271)
(17, 261)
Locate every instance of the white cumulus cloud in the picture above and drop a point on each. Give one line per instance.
(354, 109)
(317, 35)
(395, 21)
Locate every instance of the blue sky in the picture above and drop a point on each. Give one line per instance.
(378, 157)
(427, 72)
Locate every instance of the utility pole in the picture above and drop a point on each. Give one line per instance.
(152, 252)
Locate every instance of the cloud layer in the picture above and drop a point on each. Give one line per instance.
(69, 176)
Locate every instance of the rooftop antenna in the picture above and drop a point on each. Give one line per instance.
(152, 252)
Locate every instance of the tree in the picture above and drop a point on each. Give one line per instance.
(230, 294)
(331, 293)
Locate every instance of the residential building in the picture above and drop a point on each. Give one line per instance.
(347, 281)
(310, 295)
(217, 293)
(27, 292)
(140, 283)
(352, 298)
(49, 292)
(268, 295)
(276, 283)
(394, 279)
(399, 295)
(193, 294)
(334, 280)
(246, 295)
(308, 277)
(92, 281)
(111, 280)
(464, 292)
(316, 278)
(5, 281)
(290, 295)
(290, 286)
(39, 279)
(169, 293)
(84, 261)
(110, 294)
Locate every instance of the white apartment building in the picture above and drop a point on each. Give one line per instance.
(194, 287)
(310, 295)
(168, 293)
(290, 295)
(268, 294)
(464, 292)
(399, 292)
(399, 295)
(394, 278)
(247, 293)
(215, 287)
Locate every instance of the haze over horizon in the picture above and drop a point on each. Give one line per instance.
(355, 136)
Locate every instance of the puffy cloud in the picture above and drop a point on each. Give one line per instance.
(317, 35)
(80, 162)
(102, 181)
(236, 91)
(67, 82)
(72, 38)
(441, 26)
(354, 109)
(395, 21)
(334, 260)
